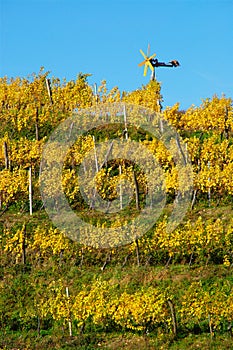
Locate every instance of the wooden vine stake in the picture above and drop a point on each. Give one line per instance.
(121, 204)
(48, 85)
(96, 170)
(6, 155)
(24, 246)
(209, 192)
(37, 124)
(173, 314)
(69, 322)
(30, 189)
(125, 121)
(96, 93)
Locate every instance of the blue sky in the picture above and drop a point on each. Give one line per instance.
(103, 38)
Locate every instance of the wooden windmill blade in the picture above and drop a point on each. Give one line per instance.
(145, 70)
(147, 60)
(142, 63)
(143, 54)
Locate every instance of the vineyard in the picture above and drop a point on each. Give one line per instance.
(166, 289)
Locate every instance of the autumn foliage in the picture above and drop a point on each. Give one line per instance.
(30, 109)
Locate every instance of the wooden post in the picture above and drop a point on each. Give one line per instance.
(159, 106)
(136, 190)
(174, 321)
(97, 169)
(6, 155)
(95, 92)
(121, 205)
(37, 124)
(95, 154)
(152, 77)
(48, 85)
(194, 198)
(210, 326)
(209, 194)
(24, 246)
(120, 168)
(108, 259)
(161, 125)
(30, 189)
(137, 252)
(70, 325)
(38, 326)
(226, 127)
(125, 120)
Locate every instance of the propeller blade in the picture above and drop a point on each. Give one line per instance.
(152, 56)
(143, 54)
(142, 63)
(148, 50)
(145, 70)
